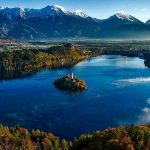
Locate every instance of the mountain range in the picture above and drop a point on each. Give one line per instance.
(56, 22)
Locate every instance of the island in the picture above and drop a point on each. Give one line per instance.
(71, 83)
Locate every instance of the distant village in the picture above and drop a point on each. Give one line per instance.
(7, 41)
(4, 41)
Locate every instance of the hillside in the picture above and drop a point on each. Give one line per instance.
(121, 138)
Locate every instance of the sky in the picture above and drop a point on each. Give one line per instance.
(100, 9)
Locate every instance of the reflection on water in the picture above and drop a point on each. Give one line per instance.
(144, 117)
(110, 100)
(12, 74)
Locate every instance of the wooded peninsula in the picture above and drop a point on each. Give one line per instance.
(21, 63)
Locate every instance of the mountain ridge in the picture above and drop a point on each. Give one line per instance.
(55, 21)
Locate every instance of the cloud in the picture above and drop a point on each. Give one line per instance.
(136, 80)
(144, 117)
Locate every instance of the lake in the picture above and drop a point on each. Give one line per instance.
(118, 94)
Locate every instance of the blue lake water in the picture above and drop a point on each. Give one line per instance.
(118, 94)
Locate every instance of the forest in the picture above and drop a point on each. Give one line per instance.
(121, 138)
(21, 63)
(24, 61)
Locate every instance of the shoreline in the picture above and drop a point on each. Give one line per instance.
(19, 64)
(24, 63)
(18, 74)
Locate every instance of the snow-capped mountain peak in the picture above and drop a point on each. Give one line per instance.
(80, 13)
(124, 18)
(60, 7)
(122, 15)
(12, 13)
(2, 7)
(53, 9)
(48, 11)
